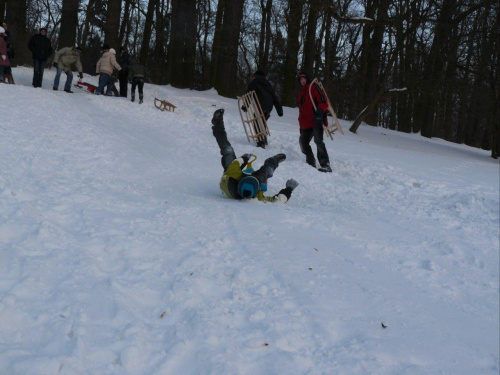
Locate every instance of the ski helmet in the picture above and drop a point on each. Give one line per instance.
(248, 187)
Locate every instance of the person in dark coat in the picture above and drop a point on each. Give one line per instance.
(311, 122)
(123, 74)
(4, 58)
(138, 73)
(10, 53)
(41, 49)
(267, 98)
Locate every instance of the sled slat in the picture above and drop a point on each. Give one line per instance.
(330, 128)
(254, 120)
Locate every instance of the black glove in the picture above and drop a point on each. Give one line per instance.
(55, 64)
(287, 192)
(243, 108)
(292, 184)
(280, 113)
(318, 117)
(246, 157)
(80, 75)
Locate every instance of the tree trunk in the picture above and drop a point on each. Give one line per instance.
(433, 70)
(69, 23)
(495, 88)
(372, 105)
(294, 17)
(16, 20)
(2, 10)
(372, 55)
(123, 35)
(148, 26)
(112, 25)
(89, 16)
(265, 35)
(310, 39)
(216, 45)
(182, 48)
(159, 73)
(227, 78)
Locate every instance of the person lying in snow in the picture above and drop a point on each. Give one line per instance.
(240, 183)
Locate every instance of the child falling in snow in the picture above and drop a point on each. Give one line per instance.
(240, 183)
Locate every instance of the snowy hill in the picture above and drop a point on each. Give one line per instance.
(119, 254)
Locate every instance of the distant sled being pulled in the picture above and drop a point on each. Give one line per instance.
(330, 128)
(253, 118)
(87, 87)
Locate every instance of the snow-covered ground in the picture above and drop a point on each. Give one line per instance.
(119, 254)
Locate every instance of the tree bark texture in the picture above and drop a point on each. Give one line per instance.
(69, 23)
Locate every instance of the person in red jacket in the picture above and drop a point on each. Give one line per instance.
(311, 122)
(4, 58)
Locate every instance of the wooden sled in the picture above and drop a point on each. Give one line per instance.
(163, 105)
(254, 120)
(330, 128)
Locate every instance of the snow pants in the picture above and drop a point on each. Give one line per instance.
(38, 68)
(305, 138)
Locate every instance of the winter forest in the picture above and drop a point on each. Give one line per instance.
(415, 66)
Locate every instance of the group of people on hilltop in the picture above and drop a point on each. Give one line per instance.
(6, 54)
(41, 49)
(239, 180)
(128, 66)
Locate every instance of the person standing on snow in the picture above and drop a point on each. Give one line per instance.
(267, 98)
(63, 60)
(311, 122)
(4, 58)
(138, 72)
(10, 53)
(104, 67)
(123, 75)
(240, 183)
(41, 49)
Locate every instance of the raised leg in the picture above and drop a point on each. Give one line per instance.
(219, 132)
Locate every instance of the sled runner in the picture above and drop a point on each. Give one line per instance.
(163, 105)
(254, 121)
(330, 128)
(87, 87)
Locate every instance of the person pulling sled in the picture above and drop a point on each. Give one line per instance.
(239, 180)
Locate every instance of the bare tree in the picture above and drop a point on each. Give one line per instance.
(112, 24)
(16, 19)
(226, 78)
(69, 23)
(293, 17)
(182, 48)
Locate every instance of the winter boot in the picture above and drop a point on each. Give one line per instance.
(279, 157)
(141, 98)
(218, 119)
(132, 97)
(326, 168)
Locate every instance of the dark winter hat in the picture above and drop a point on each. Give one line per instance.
(78, 48)
(105, 46)
(43, 29)
(305, 74)
(259, 73)
(248, 187)
(122, 48)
